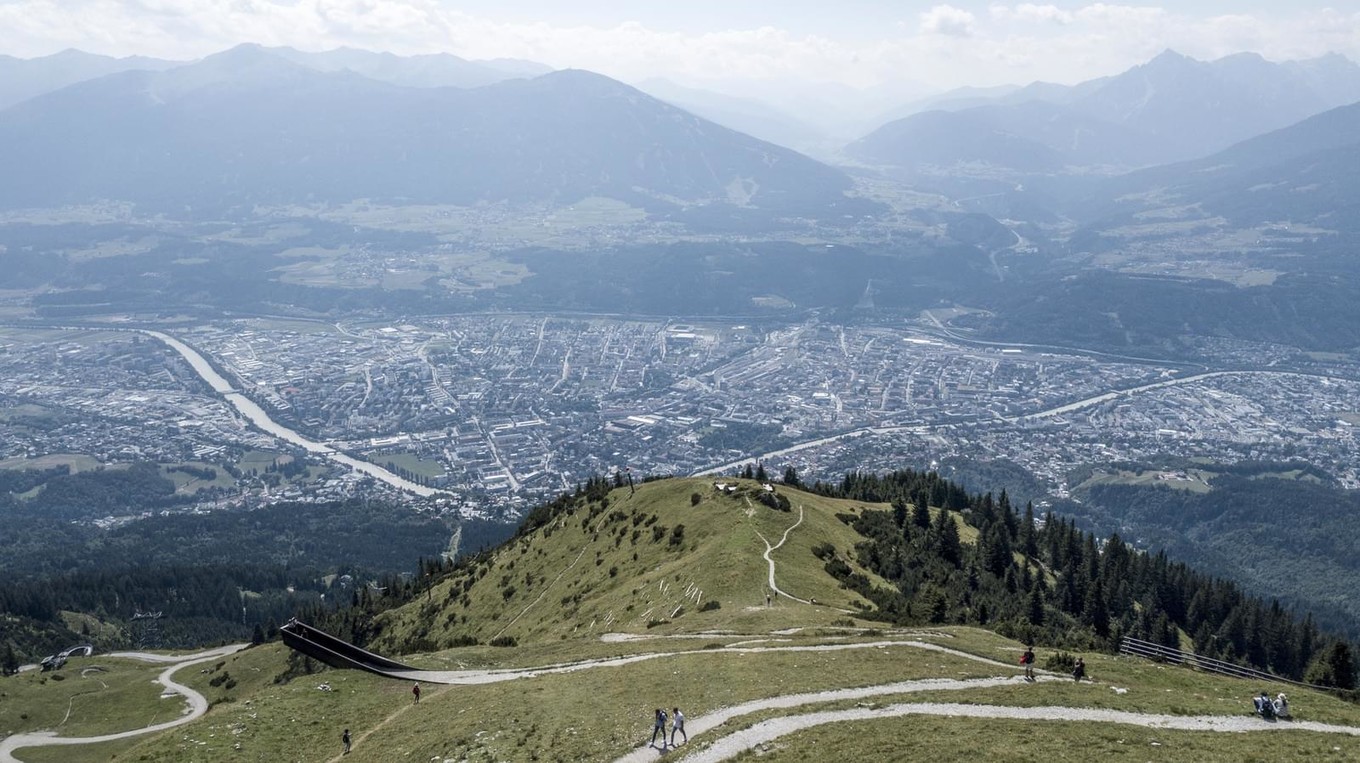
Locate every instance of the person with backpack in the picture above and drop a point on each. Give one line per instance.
(344, 739)
(415, 692)
(1079, 670)
(659, 728)
(1264, 707)
(1027, 659)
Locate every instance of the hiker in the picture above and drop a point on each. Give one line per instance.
(1281, 706)
(659, 728)
(344, 739)
(415, 692)
(1264, 707)
(767, 601)
(1079, 670)
(678, 724)
(1027, 659)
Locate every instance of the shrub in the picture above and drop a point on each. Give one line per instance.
(504, 641)
(1060, 662)
(710, 605)
(678, 535)
(694, 499)
(658, 532)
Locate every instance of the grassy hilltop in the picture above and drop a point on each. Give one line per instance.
(609, 577)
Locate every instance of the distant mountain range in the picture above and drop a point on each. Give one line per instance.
(24, 78)
(1307, 173)
(252, 125)
(1172, 108)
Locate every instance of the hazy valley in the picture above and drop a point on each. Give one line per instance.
(342, 334)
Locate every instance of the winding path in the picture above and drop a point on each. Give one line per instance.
(197, 704)
(767, 731)
(771, 549)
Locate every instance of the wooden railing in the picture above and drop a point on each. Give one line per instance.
(1148, 650)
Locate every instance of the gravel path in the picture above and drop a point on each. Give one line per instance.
(511, 674)
(197, 704)
(771, 549)
(718, 717)
(767, 731)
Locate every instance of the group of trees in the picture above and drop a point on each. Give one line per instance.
(1044, 580)
(213, 576)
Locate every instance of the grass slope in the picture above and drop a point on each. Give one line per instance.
(618, 565)
(735, 666)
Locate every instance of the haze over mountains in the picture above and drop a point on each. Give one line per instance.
(1172, 108)
(251, 126)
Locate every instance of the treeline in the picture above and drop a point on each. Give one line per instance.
(86, 495)
(370, 535)
(212, 577)
(1294, 539)
(1045, 580)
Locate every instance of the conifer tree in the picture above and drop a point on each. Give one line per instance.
(1094, 612)
(9, 661)
(920, 511)
(1035, 607)
(1028, 540)
(947, 538)
(1333, 667)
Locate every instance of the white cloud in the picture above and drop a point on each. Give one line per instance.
(948, 20)
(1030, 13)
(945, 46)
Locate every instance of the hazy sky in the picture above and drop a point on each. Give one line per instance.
(859, 42)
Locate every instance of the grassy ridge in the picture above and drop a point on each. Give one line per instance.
(618, 565)
(551, 590)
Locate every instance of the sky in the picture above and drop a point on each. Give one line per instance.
(890, 44)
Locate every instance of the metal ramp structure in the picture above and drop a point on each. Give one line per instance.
(322, 646)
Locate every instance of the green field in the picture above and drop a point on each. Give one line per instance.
(75, 461)
(411, 463)
(90, 696)
(190, 483)
(1193, 480)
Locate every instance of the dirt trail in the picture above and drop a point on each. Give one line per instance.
(466, 677)
(357, 741)
(542, 593)
(771, 549)
(718, 717)
(197, 704)
(767, 731)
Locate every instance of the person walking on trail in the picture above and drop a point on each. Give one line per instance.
(659, 728)
(415, 692)
(1079, 670)
(344, 739)
(1027, 659)
(678, 724)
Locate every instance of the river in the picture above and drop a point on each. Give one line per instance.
(257, 416)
